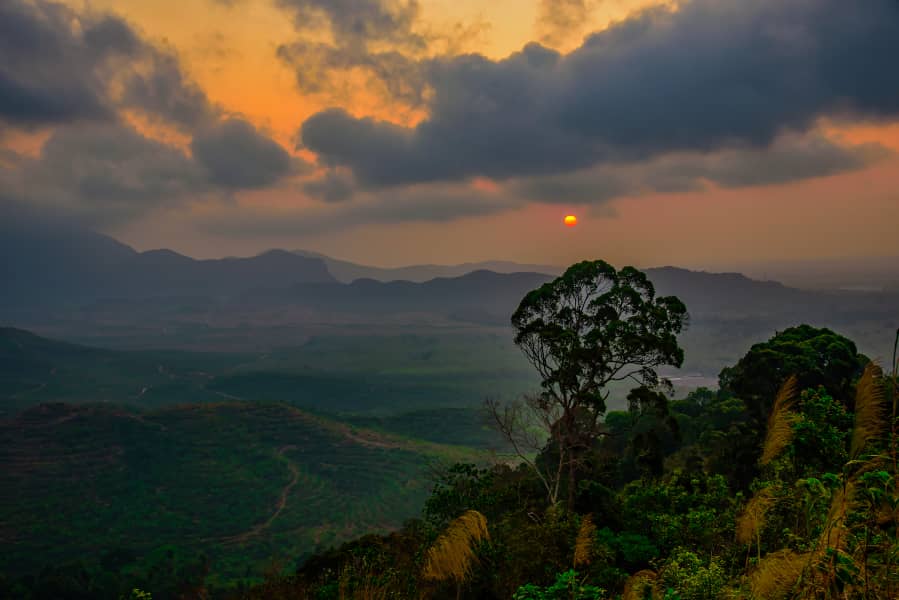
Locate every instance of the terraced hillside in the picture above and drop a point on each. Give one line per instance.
(244, 483)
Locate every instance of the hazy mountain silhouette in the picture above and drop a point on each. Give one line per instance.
(167, 273)
(50, 262)
(347, 272)
(60, 279)
(479, 296)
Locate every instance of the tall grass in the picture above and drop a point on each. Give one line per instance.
(780, 422)
(451, 556)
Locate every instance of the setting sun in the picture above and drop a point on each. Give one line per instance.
(570, 220)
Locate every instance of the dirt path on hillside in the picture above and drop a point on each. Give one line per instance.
(281, 504)
(371, 439)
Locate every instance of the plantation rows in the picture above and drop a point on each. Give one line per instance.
(88, 479)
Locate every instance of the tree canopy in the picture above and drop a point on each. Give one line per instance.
(587, 328)
(594, 325)
(818, 357)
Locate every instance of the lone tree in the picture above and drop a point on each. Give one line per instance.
(586, 329)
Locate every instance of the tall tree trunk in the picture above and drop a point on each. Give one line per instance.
(571, 484)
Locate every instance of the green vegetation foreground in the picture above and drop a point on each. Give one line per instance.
(783, 483)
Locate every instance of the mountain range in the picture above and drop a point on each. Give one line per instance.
(76, 284)
(347, 272)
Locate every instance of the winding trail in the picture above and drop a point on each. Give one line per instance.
(279, 506)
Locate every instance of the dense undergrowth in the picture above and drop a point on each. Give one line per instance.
(714, 504)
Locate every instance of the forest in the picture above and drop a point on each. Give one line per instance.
(781, 483)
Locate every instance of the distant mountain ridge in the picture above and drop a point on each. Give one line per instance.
(54, 269)
(347, 272)
(52, 263)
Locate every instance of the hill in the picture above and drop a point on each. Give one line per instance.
(55, 264)
(242, 483)
(34, 369)
(347, 272)
(344, 376)
(479, 296)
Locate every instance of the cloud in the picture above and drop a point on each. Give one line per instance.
(559, 20)
(47, 73)
(76, 72)
(162, 90)
(428, 203)
(377, 37)
(105, 174)
(60, 66)
(333, 186)
(385, 41)
(789, 158)
(237, 156)
(711, 75)
(360, 22)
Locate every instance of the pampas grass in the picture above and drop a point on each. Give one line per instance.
(641, 582)
(780, 422)
(452, 554)
(870, 412)
(776, 574)
(752, 520)
(583, 545)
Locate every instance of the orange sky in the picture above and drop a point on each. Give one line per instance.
(230, 51)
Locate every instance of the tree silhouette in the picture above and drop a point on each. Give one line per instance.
(586, 329)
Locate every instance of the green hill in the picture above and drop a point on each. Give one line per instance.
(244, 483)
(34, 369)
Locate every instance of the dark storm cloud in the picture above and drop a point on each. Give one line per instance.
(165, 92)
(104, 174)
(810, 155)
(59, 66)
(47, 74)
(75, 72)
(712, 75)
(236, 155)
(789, 158)
(334, 186)
(109, 173)
(433, 203)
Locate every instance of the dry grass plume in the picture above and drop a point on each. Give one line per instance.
(777, 574)
(583, 545)
(870, 412)
(752, 520)
(780, 422)
(641, 582)
(452, 554)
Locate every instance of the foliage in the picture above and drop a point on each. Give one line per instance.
(234, 464)
(821, 433)
(566, 587)
(691, 510)
(692, 578)
(584, 330)
(815, 356)
(783, 484)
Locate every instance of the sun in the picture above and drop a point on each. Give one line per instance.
(570, 220)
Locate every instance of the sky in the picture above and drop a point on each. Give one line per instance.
(698, 133)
